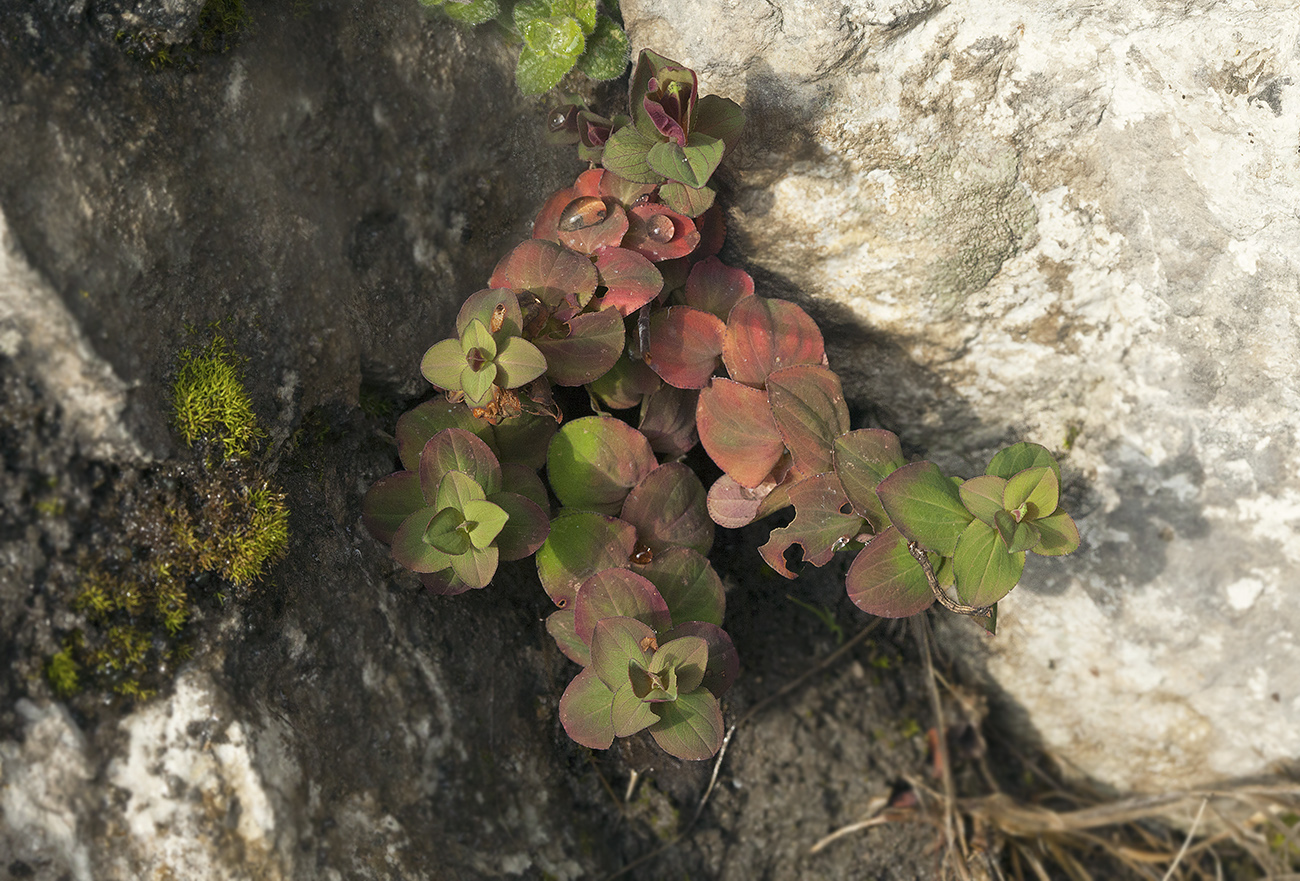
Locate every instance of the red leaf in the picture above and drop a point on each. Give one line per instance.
(738, 432)
(820, 525)
(808, 406)
(660, 233)
(765, 335)
(594, 342)
(716, 287)
(885, 579)
(684, 346)
(631, 279)
(551, 272)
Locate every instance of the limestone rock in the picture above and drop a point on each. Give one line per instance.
(1076, 226)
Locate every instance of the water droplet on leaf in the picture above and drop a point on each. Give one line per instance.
(558, 121)
(581, 213)
(660, 228)
(642, 555)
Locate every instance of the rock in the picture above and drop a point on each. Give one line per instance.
(1075, 227)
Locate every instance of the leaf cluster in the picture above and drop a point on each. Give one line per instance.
(620, 292)
(556, 36)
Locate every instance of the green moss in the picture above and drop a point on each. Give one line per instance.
(210, 402)
(63, 673)
(221, 25)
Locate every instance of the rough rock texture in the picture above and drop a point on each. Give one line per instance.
(329, 191)
(1074, 224)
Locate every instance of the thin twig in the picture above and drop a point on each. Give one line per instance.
(939, 593)
(954, 832)
(1191, 833)
(849, 830)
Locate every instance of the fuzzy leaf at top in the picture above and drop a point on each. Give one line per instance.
(607, 51)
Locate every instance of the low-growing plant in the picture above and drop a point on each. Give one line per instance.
(621, 292)
(556, 36)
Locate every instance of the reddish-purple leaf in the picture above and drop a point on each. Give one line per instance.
(820, 524)
(444, 583)
(668, 509)
(554, 274)
(526, 528)
(925, 506)
(524, 480)
(594, 342)
(765, 335)
(738, 432)
(886, 580)
(688, 584)
(668, 420)
(618, 593)
(724, 662)
(862, 459)
(546, 226)
(454, 449)
(586, 711)
(593, 463)
(732, 505)
(389, 501)
(579, 545)
(658, 232)
(626, 384)
(684, 346)
(415, 427)
(715, 287)
(631, 280)
(559, 624)
(810, 413)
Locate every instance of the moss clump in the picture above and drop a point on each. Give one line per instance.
(222, 23)
(210, 401)
(180, 534)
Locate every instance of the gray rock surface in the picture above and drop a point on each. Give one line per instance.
(1077, 225)
(328, 192)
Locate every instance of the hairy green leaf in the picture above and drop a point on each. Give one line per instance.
(607, 51)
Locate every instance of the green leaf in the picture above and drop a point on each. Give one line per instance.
(724, 663)
(885, 579)
(691, 201)
(617, 644)
(557, 36)
(389, 501)
(862, 459)
(982, 496)
(625, 385)
(1035, 489)
(1058, 534)
(485, 522)
(443, 364)
(455, 489)
(688, 584)
(630, 713)
(690, 727)
(559, 624)
(538, 72)
(691, 165)
(416, 426)
(668, 509)
(476, 336)
(607, 51)
(990, 621)
(519, 362)
(688, 655)
(738, 432)
(618, 593)
(472, 13)
(593, 463)
(925, 506)
(476, 566)
(478, 384)
(410, 549)
(820, 525)
(579, 545)
(625, 155)
(454, 449)
(1016, 458)
(720, 118)
(810, 412)
(496, 309)
(684, 346)
(445, 534)
(985, 569)
(764, 335)
(586, 711)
